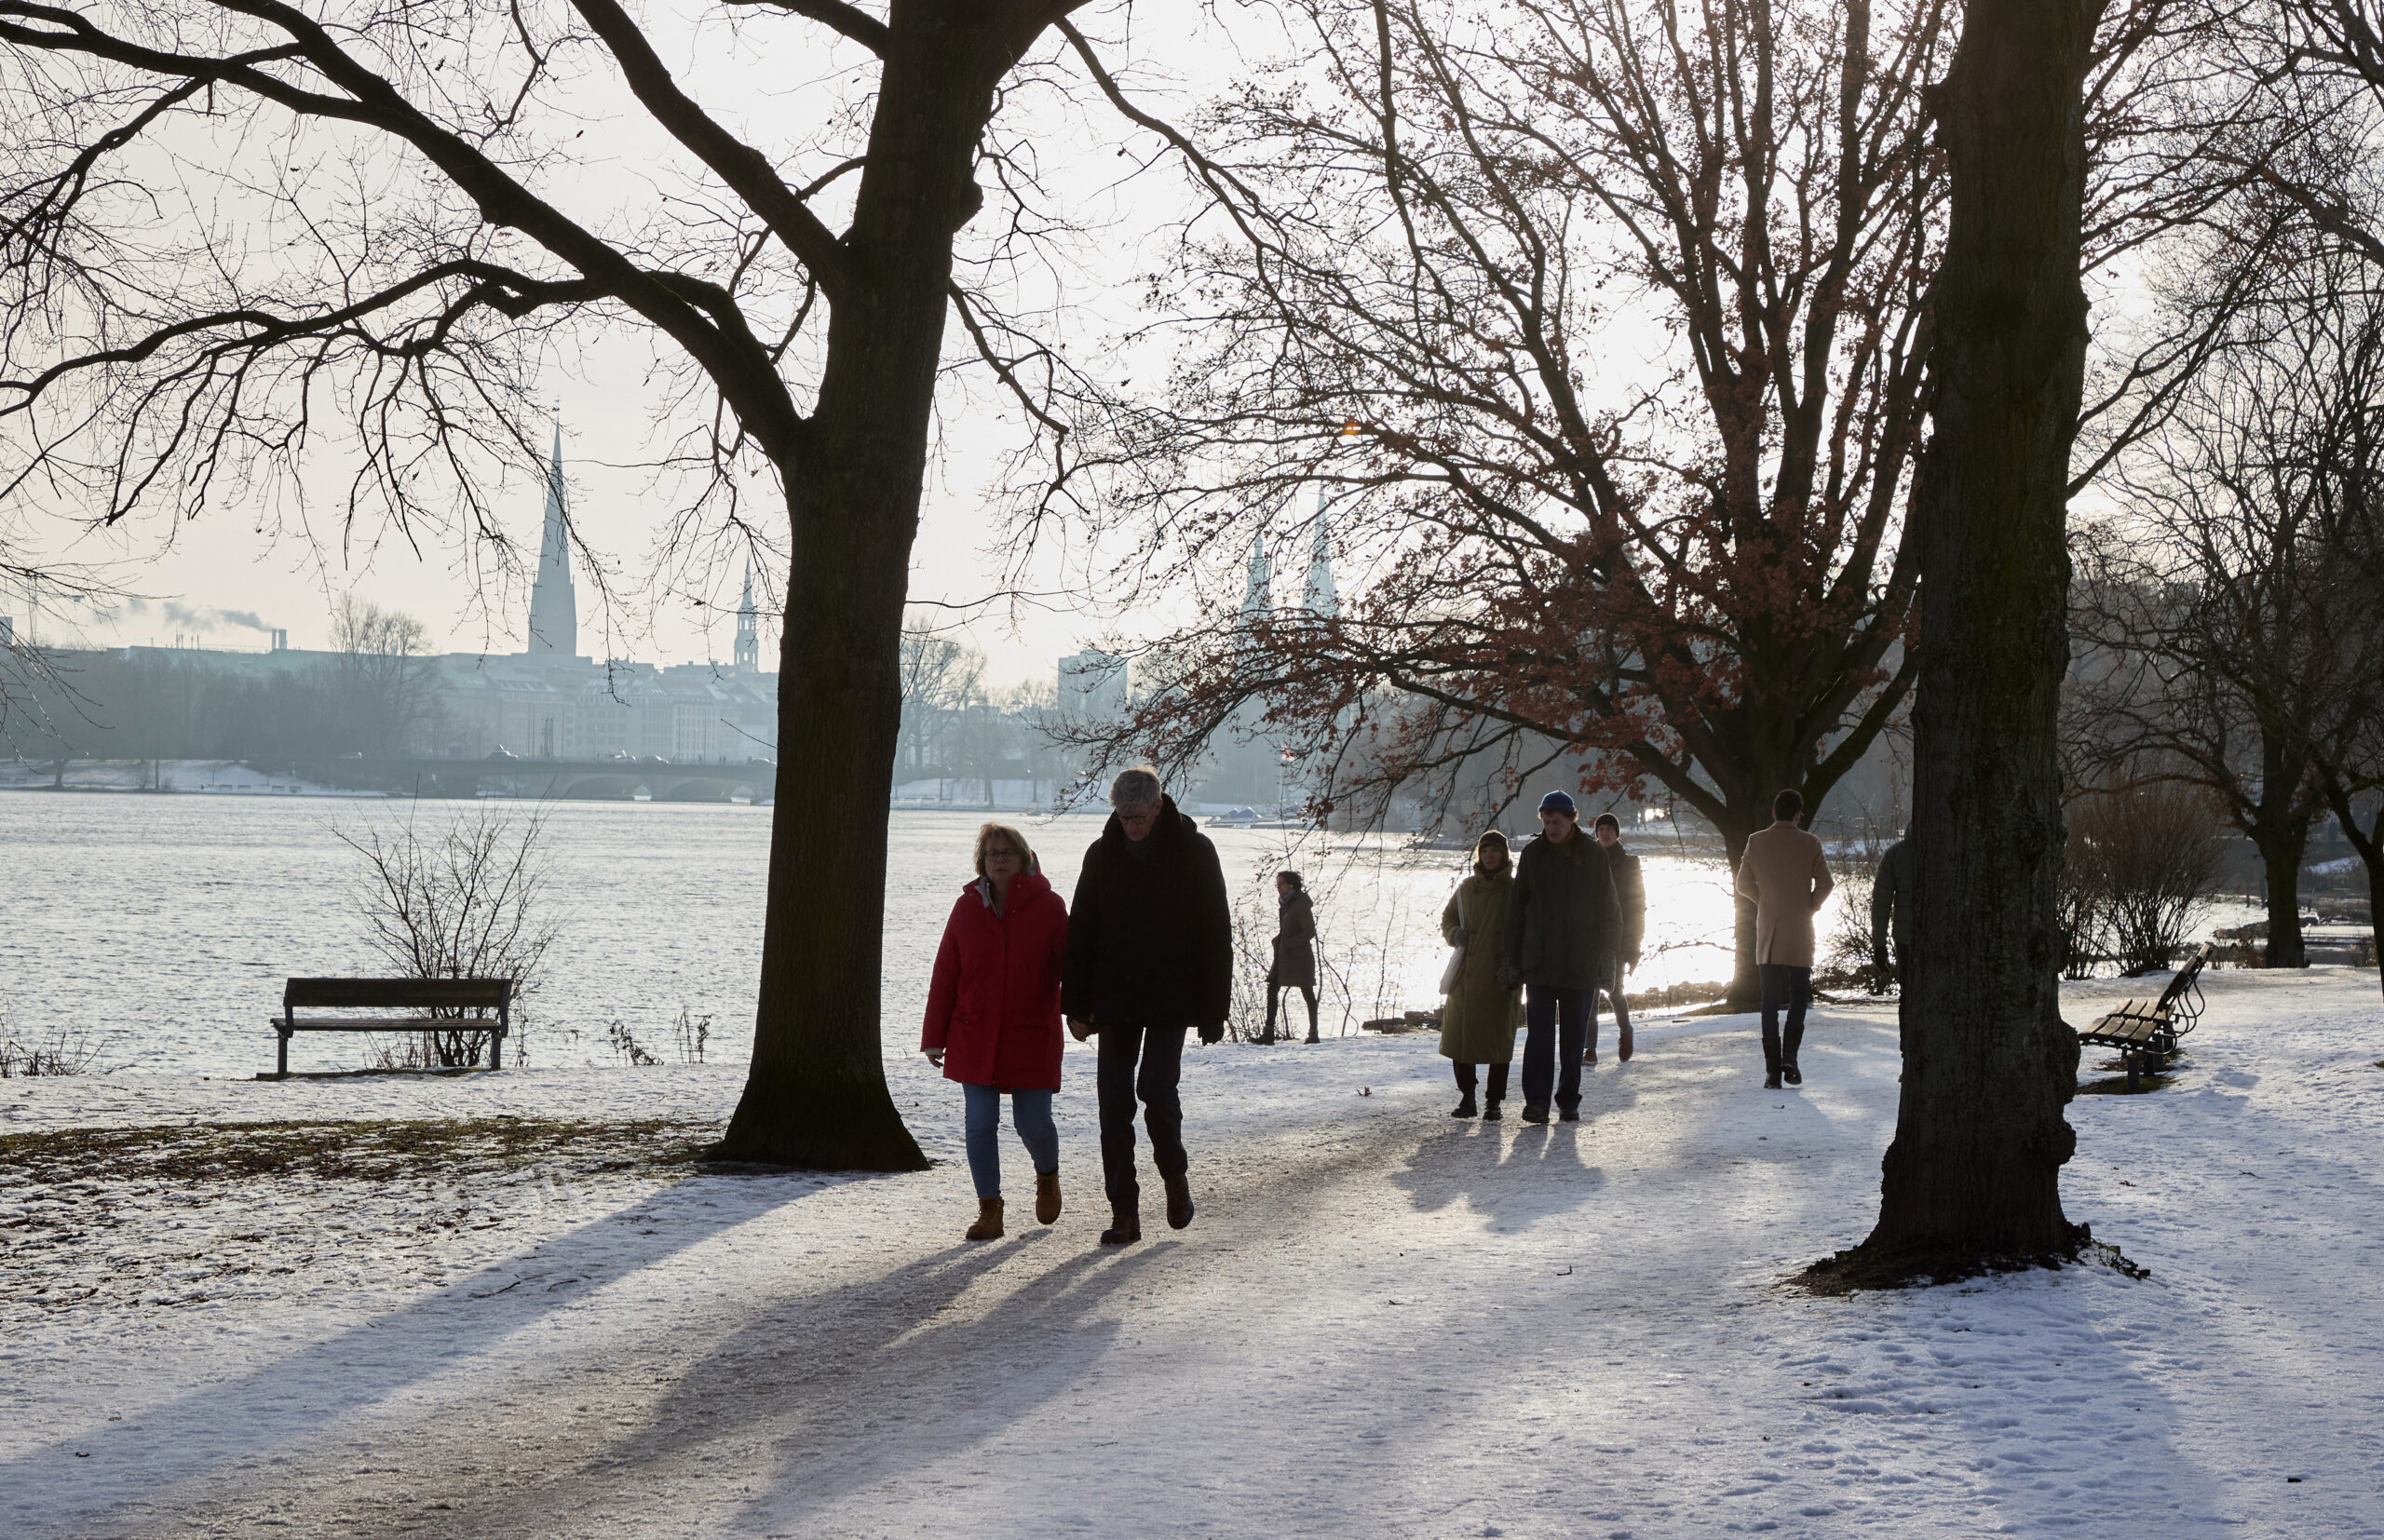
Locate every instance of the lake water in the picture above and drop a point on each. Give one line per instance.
(167, 923)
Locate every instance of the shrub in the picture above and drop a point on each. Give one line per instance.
(462, 903)
(2139, 867)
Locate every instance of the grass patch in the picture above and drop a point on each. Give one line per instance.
(377, 1150)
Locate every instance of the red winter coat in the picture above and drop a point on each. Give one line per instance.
(995, 1004)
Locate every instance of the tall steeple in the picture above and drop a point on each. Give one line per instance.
(748, 656)
(554, 609)
(1259, 597)
(1322, 600)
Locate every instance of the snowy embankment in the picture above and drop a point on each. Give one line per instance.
(1384, 1321)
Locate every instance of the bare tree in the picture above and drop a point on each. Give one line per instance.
(1974, 1173)
(464, 902)
(1603, 324)
(380, 681)
(223, 219)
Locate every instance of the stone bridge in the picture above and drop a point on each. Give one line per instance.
(593, 781)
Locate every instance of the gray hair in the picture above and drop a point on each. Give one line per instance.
(1135, 788)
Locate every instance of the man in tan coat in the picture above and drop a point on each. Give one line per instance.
(1785, 877)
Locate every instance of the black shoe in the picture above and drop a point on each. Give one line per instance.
(1311, 1037)
(1125, 1227)
(1771, 1081)
(1490, 1112)
(1568, 1114)
(1268, 1036)
(1464, 1108)
(1179, 1202)
(1791, 1073)
(1534, 1114)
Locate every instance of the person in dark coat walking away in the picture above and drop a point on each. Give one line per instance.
(1785, 874)
(1560, 927)
(1479, 1017)
(993, 1017)
(1631, 892)
(1891, 908)
(1295, 964)
(1150, 957)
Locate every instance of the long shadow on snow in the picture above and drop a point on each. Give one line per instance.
(286, 1403)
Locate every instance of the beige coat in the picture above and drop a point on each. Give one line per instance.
(1784, 874)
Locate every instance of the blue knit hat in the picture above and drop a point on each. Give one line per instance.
(1557, 802)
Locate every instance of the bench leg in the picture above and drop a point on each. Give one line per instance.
(496, 1050)
(281, 1056)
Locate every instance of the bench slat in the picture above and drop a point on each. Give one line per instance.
(387, 1023)
(399, 991)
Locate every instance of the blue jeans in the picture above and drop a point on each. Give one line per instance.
(1030, 1113)
(1552, 1053)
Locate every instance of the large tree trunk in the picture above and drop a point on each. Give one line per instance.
(2279, 832)
(1973, 1174)
(816, 1095)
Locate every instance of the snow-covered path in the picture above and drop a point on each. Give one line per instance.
(1384, 1322)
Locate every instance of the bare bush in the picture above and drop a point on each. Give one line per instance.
(66, 1052)
(2145, 857)
(462, 903)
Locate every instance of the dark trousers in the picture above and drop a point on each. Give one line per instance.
(1794, 988)
(1467, 1080)
(1160, 1053)
(1275, 997)
(1558, 1024)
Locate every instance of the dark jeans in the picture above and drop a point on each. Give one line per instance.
(1275, 997)
(1792, 986)
(1615, 991)
(1467, 1080)
(1558, 1023)
(1030, 1112)
(1160, 1052)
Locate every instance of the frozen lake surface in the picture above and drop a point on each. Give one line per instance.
(169, 922)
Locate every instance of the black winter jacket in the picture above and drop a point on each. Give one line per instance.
(1564, 920)
(1150, 936)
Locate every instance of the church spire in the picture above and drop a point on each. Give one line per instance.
(1259, 597)
(554, 609)
(748, 656)
(1322, 600)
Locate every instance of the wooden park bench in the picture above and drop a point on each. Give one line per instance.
(420, 995)
(2146, 1035)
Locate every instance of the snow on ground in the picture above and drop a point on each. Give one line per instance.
(1383, 1323)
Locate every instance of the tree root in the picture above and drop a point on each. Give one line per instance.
(1924, 1265)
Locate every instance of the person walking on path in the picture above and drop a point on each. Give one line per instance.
(1892, 909)
(1294, 963)
(993, 1017)
(1478, 1018)
(1561, 924)
(1785, 875)
(1631, 892)
(1150, 957)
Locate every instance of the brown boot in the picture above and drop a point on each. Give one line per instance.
(1047, 1197)
(989, 1221)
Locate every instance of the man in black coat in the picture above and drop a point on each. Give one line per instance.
(1562, 927)
(1150, 954)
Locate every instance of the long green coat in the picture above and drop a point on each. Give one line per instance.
(1478, 1022)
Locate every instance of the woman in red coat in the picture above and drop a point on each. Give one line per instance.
(993, 1017)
